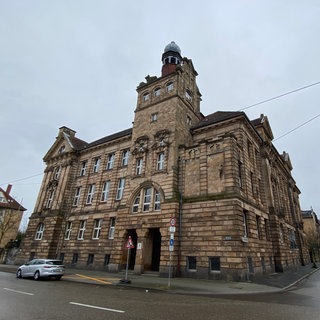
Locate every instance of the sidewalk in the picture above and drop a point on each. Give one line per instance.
(151, 281)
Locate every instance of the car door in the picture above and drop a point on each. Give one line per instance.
(33, 267)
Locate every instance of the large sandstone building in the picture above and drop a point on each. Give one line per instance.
(200, 196)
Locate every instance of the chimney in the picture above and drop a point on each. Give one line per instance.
(9, 189)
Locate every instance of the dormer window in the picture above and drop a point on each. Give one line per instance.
(62, 149)
(146, 96)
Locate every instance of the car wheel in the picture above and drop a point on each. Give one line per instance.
(58, 277)
(19, 274)
(36, 275)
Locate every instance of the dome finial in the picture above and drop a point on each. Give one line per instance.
(172, 46)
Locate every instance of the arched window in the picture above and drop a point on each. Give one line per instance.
(39, 232)
(169, 87)
(147, 199)
(146, 96)
(157, 92)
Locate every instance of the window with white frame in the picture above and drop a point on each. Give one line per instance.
(157, 200)
(120, 188)
(96, 165)
(148, 199)
(90, 194)
(77, 195)
(83, 168)
(157, 92)
(82, 229)
(110, 161)
(146, 96)
(139, 165)
(112, 228)
(56, 172)
(67, 234)
(125, 157)
(40, 231)
(160, 161)
(105, 191)
(169, 86)
(96, 228)
(50, 199)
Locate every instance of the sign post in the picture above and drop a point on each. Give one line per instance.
(172, 230)
(129, 245)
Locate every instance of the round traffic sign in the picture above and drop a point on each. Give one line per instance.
(173, 222)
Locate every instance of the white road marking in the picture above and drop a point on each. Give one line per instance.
(96, 307)
(17, 291)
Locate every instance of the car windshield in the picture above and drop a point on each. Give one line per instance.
(55, 262)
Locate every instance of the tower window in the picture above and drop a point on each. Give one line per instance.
(189, 95)
(157, 92)
(154, 117)
(146, 96)
(173, 60)
(169, 87)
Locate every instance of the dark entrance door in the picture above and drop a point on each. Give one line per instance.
(156, 249)
(132, 258)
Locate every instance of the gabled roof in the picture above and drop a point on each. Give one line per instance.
(109, 138)
(7, 202)
(217, 117)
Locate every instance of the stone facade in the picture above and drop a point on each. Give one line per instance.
(231, 194)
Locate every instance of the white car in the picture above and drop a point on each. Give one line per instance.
(41, 268)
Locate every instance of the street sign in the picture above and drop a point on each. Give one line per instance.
(171, 242)
(171, 248)
(172, 229)
(173, 222)
(129, 243)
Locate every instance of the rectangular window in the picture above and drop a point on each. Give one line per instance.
(157, 199)
(191, 263)
(90, 195)
(105, 191)
(160, 161)
(266, 229)
(96, 165)
(112, 228)
(147, 199)
(125, 157)
(56, 173)
(252, 183)
(120, 189)
(68, 231)
(50, 199)
(83, 168)
(96, 228)
(214, 263)
(90, 258)
(77, 195)
(75, 257)
(154, 117)
(240, 184)
(82, 229)
(139, 166)
(258, 222)
(110, 162)
(245, 223)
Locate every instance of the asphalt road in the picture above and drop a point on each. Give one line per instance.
(48, 299)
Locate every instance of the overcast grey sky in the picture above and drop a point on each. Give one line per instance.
(77, 63)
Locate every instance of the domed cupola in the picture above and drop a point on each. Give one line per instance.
(171, 57)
